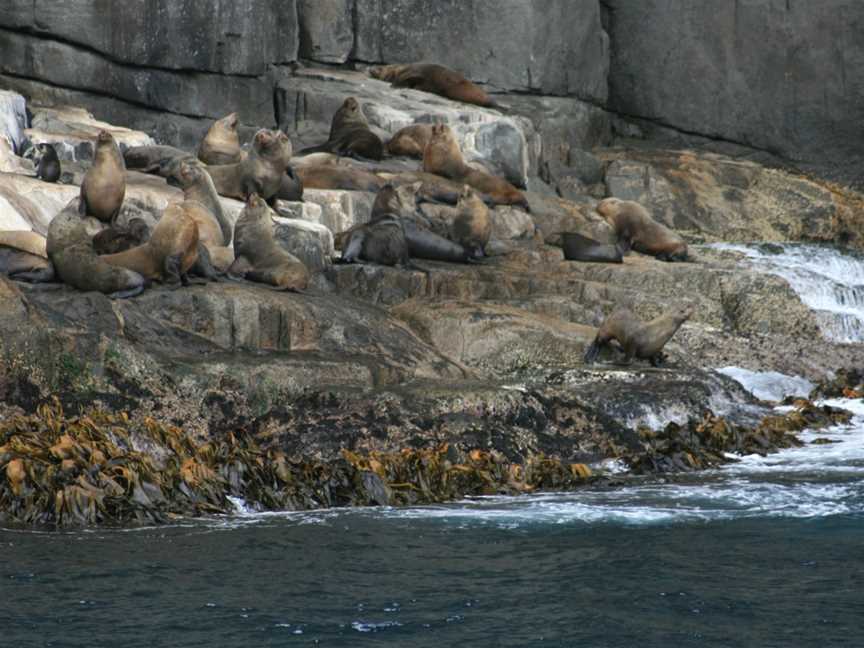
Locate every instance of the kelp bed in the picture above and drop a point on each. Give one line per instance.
(107, 468)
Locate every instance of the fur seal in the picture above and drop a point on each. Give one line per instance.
(259, 257)
(197, 186)
(48, 164)
(171, 251)
(70, 248)
(350, 134)
(382, 241)
(410, 141)
(581, 248)
(260, 172)
(346, 178)
(443, 157)
(636, 338)
(24, 256)
(635, 229)
(432, 187)
(472, 227)
(116, 238)
(159, 159)
(434, 78)
(422, 241)
(104, 185)
(221, 145)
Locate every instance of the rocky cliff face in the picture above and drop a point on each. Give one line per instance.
(779, 78)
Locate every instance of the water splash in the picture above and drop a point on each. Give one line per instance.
(828, 280)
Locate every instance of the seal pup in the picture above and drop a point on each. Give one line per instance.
(410, 141)
(436, 79)
(24, 256)
(350, 134)
(258, 256)
(636, 338)
(169, 254)
(70, 248)
(444, 157)
(260, 172)
(221, 145)
(635, 229)
(47, 162)
(581, 248)
(104, 185)
(118, 238)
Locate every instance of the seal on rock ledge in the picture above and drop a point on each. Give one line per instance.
(636, 229)
(434, 78)
(636, 338)
(23, 256)
(350, 135)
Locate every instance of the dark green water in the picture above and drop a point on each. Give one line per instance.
(769, 552)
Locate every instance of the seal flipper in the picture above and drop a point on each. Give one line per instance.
(355, 246)
(172, 273)
(204, 265)
(82, 202)
(43, 275)
(592, 352)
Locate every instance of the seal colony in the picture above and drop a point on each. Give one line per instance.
(440, 210)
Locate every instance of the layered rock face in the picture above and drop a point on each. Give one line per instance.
(773, 76)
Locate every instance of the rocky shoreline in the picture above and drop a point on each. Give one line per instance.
(393, 386)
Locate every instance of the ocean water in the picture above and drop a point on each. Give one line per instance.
(765, 552)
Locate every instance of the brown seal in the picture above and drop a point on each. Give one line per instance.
(410, 141)
(437, 79)
(635, 229)
(636, 338)
(346, 178)
(581, 248)
(472, 227)
(70, 248)
(259, 257)
(171, 251)
(24, 256)
(104, 185)
(350, 134)
(221, 145)
(444, 157)
(260, 172)
(156, 159)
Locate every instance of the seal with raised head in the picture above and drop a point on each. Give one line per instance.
(170, 252)
(70, 248)
(104, 185)
(635, 229)
(350, 134)
(472, 227)
(260, 172)
(258, 256)
(410, 141)
(24, 256)
(444, 157)
(197, 185)
(581, 248)
(637, 339)
(221, 145)
(434, 78)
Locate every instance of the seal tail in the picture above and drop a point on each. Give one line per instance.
(592, 352)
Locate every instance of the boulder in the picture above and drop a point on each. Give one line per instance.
(310, 242)
(326, 30)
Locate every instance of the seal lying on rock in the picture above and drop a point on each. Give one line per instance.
(637, 230)
(23, 256)
(581, 248)
(444, 157)
(410, 141)
(70, 248)
(346, 178)
(118, 238)
(350, 134)
(382, 241)
(437, 79)
(636, 338)
(221, 145)
(159, 159)
(104, 185)
(258, 256)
